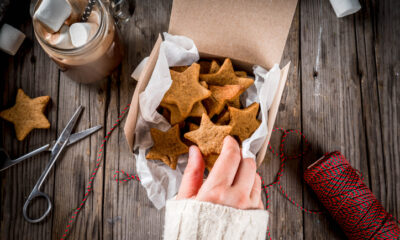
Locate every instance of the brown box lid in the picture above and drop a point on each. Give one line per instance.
(252, 31)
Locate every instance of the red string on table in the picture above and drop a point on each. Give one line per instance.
(276, 182)
(93, 175)
(350, 202)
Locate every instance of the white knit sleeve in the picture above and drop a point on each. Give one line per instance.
(191, 219)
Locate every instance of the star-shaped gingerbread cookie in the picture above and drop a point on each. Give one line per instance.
(176, 116)
(209, 137)
(186, 90)
(167, 146)
(226, 76)
(223, 118)
(27, 114)
(214, 67)
(244, 121)
(220, 96)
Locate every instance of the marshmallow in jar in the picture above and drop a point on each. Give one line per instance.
(85, 51)
(65, 30)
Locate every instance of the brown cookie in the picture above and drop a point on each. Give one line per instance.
(235, 103)
(241, 74)
(209, 137)
(205, 67)
(27, 114)
(167, 146)
(244, 121)
(186, 90)
(215, 67)
(226, 76)
(204, 84)
(193, 126)
(223, 118)
(220, 95)
(179, 68)
(176, 116)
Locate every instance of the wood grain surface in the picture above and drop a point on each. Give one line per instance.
(342, 91)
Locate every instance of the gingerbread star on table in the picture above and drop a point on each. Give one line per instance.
(226, 76)
(167, 146)
(209, 137)
(244, 121)
(186, 90)
(27, 114)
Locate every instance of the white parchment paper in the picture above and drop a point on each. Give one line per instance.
(160, 181)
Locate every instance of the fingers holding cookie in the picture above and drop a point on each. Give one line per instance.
(204, 101)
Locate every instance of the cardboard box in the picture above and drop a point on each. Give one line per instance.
(251, 32)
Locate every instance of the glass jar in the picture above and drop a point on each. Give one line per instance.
(94, 60)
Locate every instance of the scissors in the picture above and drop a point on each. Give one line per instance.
(56, 148)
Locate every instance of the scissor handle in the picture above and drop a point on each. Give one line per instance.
(35, 194)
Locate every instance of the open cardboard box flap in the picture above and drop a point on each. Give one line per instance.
(252, 32)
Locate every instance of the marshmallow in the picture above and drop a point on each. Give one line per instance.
(78, 7)
(53, 13)
(345, 7)
(94, 17)
(81, 33)
(61, 39)
(10, 39)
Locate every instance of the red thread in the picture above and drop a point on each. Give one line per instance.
(283, 158)
(93, 174)
(350, 202)
(276, 182)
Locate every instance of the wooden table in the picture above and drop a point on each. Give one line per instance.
(342, 91)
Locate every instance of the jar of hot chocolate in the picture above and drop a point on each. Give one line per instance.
(86, 49)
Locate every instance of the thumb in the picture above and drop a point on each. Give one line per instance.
(193, 175)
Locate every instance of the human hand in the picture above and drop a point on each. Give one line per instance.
(232, 182)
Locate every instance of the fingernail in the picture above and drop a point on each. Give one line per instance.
(227, 138)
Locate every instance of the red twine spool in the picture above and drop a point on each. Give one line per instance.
(349, 200)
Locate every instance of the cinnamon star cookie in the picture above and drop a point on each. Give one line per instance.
(244, 121)
(209, 137)
(27, 114)
(226, 76)
(167, 146)
(220, 96)
(186, 90)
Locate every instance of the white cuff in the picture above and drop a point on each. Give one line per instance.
(192, 219)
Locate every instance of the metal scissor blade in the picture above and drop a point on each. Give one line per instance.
(80, 135)
(66, 133)
(77, 136)
(59, 146)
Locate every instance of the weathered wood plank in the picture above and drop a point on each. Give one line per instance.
(127, 211)
(286, 221)
(342, 91)
(75, 167)
(386, 22)
(331, 106)
(370, 99)
(25, 70)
